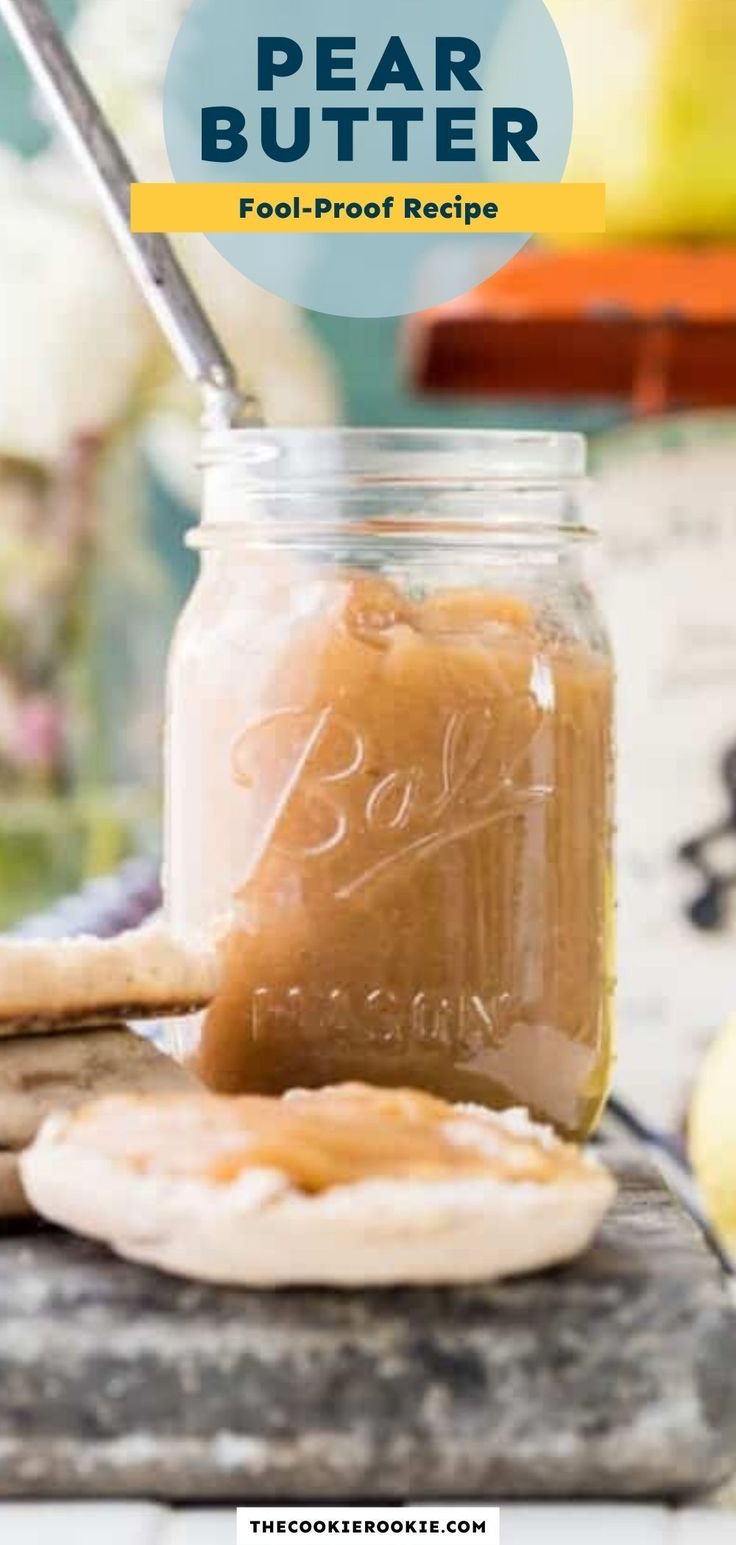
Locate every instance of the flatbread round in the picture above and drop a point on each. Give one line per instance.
(85, 981)
(197, 1186)
(43, 1073)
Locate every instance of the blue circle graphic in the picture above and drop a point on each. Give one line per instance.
(521, 65)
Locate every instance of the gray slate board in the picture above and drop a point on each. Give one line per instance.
(615, 1376)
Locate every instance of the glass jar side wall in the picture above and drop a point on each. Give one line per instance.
(390, 769)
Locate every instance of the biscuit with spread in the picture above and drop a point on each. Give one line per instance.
(351, 1187)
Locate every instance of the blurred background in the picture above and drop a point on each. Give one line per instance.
(632, 340)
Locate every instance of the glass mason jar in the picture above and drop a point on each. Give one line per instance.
(389, 769)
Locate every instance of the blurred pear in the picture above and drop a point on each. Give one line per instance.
(655, 111)
(712, 1134)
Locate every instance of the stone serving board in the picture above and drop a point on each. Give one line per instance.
(615, 1376)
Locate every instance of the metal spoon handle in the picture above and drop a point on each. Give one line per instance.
(151, 258)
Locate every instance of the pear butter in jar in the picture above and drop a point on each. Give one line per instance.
(389, 769)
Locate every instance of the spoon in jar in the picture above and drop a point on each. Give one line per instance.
(151, 258)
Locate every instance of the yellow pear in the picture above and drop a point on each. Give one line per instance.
(655, 111)
(712, 1134)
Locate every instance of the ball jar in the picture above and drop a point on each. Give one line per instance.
(389, 769)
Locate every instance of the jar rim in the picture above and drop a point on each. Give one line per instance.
(471, 486)
(468, 458)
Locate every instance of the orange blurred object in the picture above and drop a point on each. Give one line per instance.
(655, 326)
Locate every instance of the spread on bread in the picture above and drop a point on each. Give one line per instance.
(321, 1138)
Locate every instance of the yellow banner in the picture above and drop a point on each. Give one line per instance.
(363, 208)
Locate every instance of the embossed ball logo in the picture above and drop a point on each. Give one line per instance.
(320, 793)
